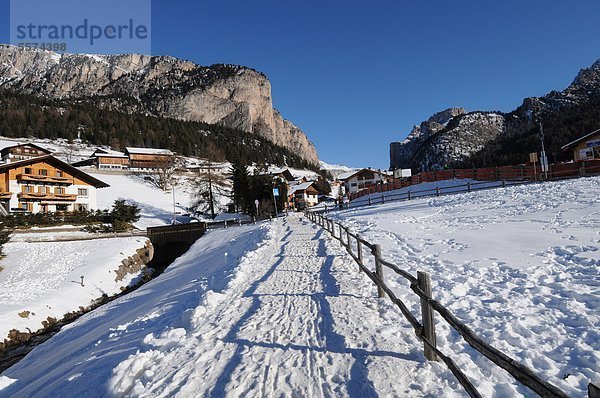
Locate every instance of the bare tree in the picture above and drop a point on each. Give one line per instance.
(211, 187)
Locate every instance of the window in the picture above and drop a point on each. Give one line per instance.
(43, 172)
(62, 207)
(59, 190)
(28, 188)
(353, 184)
(59, 173)
(82, 192)
(28, 170)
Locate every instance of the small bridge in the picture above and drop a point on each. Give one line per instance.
(181, 233)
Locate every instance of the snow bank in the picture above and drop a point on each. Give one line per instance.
(79, 360)
(519, 265)
(44, 279)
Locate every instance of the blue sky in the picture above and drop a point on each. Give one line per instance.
(357, 75)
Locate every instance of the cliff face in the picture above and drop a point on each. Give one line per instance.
(234, 96)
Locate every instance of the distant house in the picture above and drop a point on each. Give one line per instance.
(148, 158)
(19, 152)
(303, 195)
(586, 147)
(110, 160)
(354, 181)
(46, 184)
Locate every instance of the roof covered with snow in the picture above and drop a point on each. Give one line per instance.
(300, 187)
(148, 151)
(109, 153)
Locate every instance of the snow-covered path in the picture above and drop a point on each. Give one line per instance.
(289, 315)
(309, 326)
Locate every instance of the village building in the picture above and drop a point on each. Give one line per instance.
(149, 158)
(46, 184)
(108, 159)
(354, 181)
(586, 147)
(20, 152)
(303, 195)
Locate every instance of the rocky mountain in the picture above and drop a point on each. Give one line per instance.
(234, 96)
(455, 138)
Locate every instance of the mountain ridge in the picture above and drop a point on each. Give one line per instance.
(492, 138)
(234, 96)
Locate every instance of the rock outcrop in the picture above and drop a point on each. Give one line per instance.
(232, 95)
(494, 138)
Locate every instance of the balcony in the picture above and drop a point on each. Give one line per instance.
(5, 195)
(46, 179)
(67, 197)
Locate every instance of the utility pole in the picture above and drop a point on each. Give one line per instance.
(544, 159)
(210, 193)
(174, 210)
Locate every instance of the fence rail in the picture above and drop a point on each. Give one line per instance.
(425, 331)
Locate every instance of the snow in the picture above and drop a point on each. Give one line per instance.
(519, 265)
(44, 278)
(90, 357)
(156, 205)
(149, 151)
(428, 189)
(280, 309)
(326, 166)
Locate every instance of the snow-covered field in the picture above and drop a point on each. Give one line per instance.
(280, 309)
(519, 265)
(44, 278)
(156, 205)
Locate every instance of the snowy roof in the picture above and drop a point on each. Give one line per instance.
(148, 151)
(300, 187)
(346, 175)
(109, 153)
(350, 174)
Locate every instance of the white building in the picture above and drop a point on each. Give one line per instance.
(354, 181)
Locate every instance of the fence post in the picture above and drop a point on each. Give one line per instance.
(408, 195)
(240, 222)
(359, 251)
(503, 183)
(225, 224)
(369, 201)
(594, 390)
(427, 313)
(382, 199)
(378, 269)
(348, 240)
(437, 191)
(468, 187)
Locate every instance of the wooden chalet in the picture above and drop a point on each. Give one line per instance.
(20, 152)
(109, 159)
(148, 158)
(46, 184)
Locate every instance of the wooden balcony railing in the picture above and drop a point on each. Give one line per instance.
(5, 195)
(43, 178)
(48, 196)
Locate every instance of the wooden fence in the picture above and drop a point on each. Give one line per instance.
(438, 191)
(425, 331)
(522, 172)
